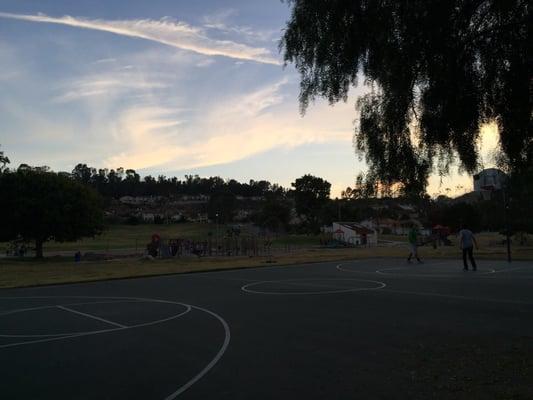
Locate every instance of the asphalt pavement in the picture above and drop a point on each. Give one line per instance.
(365, 329)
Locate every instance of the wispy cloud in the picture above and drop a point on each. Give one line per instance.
(108, 84)
(10, 67)
(105, 61)
(264, 120)
(206, 62)
(148, 136)
(219, 22)
(250, 104)
(239, 127)
(166, 31)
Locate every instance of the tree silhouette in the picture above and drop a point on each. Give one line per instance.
(311, 194)
(437, 70)
(3, 161)
(38, 206)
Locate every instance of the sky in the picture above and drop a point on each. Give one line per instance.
(171, 87)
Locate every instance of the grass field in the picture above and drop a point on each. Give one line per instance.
(137, 236)
(288, 249)
(30, 272)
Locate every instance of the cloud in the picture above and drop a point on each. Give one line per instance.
(105, 60)
(236, 128)
(148, 117)
(205, 63)
(219, 22)
(146, 136)
(249, 104)
(107, 84)
(166, 31)
(235, 135)
(10, 66)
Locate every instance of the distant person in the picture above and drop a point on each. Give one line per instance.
(77, 256)
(466, 243)
(174, 248)
(22, 250)
(412, 238)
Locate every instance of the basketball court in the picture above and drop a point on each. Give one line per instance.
(330, 330)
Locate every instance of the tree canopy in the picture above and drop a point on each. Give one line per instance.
(436, 69)
(3, 161)
(119, 182)
(38, 206)
(310, 195)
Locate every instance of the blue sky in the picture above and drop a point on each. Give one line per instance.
(167, 87)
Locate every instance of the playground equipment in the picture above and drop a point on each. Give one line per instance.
(229, 245)
(440, 234)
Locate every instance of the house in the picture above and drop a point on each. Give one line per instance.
(178, 217)
(489, 179)
(140, 200)
(392, 226)
(152, 217)
(354, 234)
(199, 217)
(148, 217)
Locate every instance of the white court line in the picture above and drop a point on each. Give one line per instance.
(491, 271)
(226, 279)
(339, 266)
(89, 333)
(188, 384)
(92, 316)
(55, 306)
(382, 271)
(211, 364)
(246, 288)
(70, 304)
(428, 265)
(451, 296)
(291, 282)
(499, 271)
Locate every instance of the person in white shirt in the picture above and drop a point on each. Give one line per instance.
(467, 241)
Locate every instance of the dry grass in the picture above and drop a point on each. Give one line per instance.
(14, 273)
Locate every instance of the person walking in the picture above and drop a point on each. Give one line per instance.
(467, 241)
(412, 238)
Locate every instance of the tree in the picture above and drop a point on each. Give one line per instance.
(83, 174)
(311, 194)
(39, 206)
(437, 70)
(222, 207)
(3, 161)
(518, 198)
(274, 215)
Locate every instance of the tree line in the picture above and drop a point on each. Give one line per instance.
(38, 205)
(127, 182)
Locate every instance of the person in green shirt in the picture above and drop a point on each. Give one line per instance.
(412, 238)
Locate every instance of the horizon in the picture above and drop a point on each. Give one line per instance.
(447, 192)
